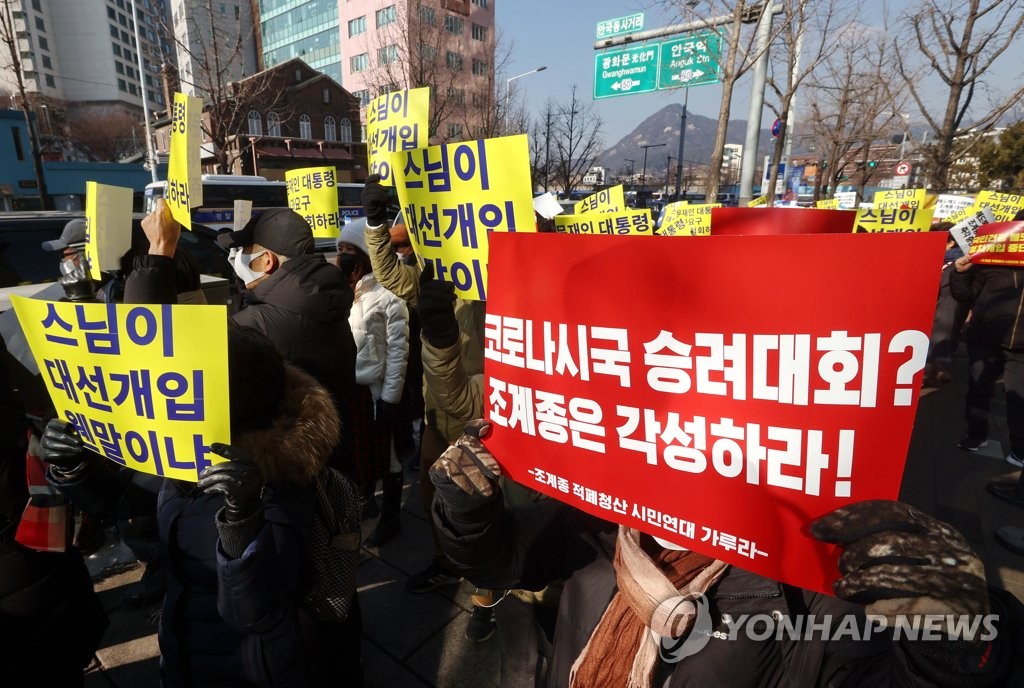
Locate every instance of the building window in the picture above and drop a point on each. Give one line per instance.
(386, 16)
(453, 24)
(132, 89)
(122, 85)
(113, 32)
(479, 67)
(427, 15)
(387, 54)
(346, 127)
(305, 127)
(480, 3)
(255, 123)
(356, 26)
(363, 97)
(479, 32)
(454, 61)
(428, 53)
(479, 99)
(47, 62)
(457, 96)
(111, 13)
(454, 131)
(359, 63)
(118, 67)
(116, 48)
(273, 124)
(50, 82)
(37, 6)
(330, 129)
(43, 43)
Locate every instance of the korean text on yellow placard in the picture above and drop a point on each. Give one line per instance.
(757, 202)
(452, 195)
(827, 204)
(693, 220)
(313, 194)
(900, 199)
(873, 220)
(610, 200)
(1003, 205)
(396, 121)
(136, 381)
(631, 222)
(108, 226)
(184, 180)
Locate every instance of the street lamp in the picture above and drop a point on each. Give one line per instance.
(643, 175)
(508, 83)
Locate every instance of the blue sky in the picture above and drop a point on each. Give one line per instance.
(560, 34)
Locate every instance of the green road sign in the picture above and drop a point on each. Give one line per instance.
(692, 60)
(624, 72)
(621, 25)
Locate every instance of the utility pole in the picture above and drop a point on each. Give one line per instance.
(150, 151)
(668, 173)
(762, 39)
(643, 175)
(547, 150)
(682, 140)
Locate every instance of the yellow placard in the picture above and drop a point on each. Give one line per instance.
(396, 121)
(452, 195)
(898, 199)
(756, 202)
(873, 220)
(108, 226)
(184, 172)
(692, 220)
(610, 200)
(146, 386)
(1003, 205)
(827, 204)
(313, 194)
(630, 222)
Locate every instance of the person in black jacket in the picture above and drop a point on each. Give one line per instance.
(639, 614)
(235, 543)
(995, 348)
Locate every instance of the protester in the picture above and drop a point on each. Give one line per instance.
(622, 588)
(380, 324)
(235, 544)
(995, 349)
(948, 322)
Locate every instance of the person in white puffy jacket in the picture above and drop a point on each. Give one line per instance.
(380, 326)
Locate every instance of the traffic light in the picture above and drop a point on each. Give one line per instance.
(872, 163)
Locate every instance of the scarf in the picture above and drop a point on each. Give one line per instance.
(644, 583)
(44, 525)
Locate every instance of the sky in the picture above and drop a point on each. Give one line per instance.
(560, 35)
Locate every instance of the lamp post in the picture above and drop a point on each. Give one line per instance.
(643, 175)
(668, 174)
(508, 84)
(150, 152)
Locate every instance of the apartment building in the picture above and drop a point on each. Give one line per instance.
(215, 44)
(307, 29)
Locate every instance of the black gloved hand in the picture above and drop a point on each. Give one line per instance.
(237, 479)
(375, 201)
(436, 310)
(61, 447)
(466, 474)
(898, 560)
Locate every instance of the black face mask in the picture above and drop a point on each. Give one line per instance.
(347, 264)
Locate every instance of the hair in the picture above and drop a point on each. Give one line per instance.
(256, 379)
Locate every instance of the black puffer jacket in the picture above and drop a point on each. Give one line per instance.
(995, 296)
(530, 546)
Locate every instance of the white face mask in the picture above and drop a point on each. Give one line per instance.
(240, 262)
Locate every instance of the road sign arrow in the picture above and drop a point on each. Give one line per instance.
(616, 86)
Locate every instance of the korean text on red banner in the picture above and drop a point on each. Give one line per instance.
(999, 243)
(136, 382)
(724, 415)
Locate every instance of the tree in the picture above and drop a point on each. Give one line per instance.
(808, 23)
(9, 37)
(212, 48)
(575, 141)
(960, 40)
(1001, 160)
(111, 138)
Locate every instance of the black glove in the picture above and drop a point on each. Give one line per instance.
(237, 479)
(388, 413)
(436, 310)
(375, 201)
(466, 474)
(898, 560)
(61, 447)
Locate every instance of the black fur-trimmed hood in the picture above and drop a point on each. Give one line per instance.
(302, 437)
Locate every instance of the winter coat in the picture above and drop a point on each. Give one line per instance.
(996, 299)
(532, 545)
(380, 326)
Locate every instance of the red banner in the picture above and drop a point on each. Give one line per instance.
(999, 243)
(720, 395)
(749, 221)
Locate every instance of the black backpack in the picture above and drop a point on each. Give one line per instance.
(334, 546)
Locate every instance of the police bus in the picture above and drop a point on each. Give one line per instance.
(220, 191)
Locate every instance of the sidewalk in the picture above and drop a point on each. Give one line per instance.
(417, 640)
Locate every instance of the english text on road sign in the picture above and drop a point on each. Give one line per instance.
(623, 72)
(690, 61)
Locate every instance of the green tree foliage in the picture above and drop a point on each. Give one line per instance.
(1001, 160)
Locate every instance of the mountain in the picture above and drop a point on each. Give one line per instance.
(663, 127)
